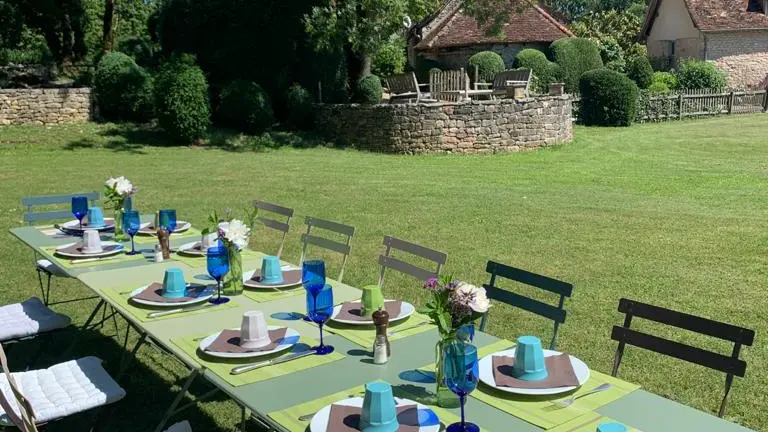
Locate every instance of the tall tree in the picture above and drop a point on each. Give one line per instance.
(62, 23)
(108, 33)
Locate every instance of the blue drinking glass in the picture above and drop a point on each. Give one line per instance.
(80, 208)
(167, 220)
(131, 225)
(461, 374)
(319, 310)
(218, 265)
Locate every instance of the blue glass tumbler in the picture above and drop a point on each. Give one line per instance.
(131, 225)
(319, 310)
(217, 262)
(167, 220)
(462, 371)
(80, 208)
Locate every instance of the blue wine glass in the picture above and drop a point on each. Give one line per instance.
(167, 220)
(461, 375)
(218, 265)
(319, 310)
(80, 208)
(131, 225)
(312, 277)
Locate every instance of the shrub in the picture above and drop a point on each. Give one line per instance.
(608, 98)
(123, 89)
(575, 56)
(299, 104)
(391, 58)
(245, 106)
(699, 74)
(544, 71)
(611, 54)
(658, 87)
(181, 97)
(369, 90)
(139, 48)
(666, 78)
(640, 71)
(488, 64)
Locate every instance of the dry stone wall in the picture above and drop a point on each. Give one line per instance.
(468, 127)
(45, 106)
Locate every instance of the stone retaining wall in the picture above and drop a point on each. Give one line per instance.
(466, 127)
(45, 106)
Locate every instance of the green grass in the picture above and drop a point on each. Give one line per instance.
(673, 214)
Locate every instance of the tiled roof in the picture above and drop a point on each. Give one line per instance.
(712, 15)
(533, 24)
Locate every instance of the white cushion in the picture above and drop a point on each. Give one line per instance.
(28, 318)
(51, 268)
(63, 389)
(183, 426)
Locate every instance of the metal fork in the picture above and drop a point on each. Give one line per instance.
(568, 402)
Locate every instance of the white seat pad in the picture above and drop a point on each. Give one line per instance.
(28, 318)
(63, 389)
(183, 426)
(51, 268)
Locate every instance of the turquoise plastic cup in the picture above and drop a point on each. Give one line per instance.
(174, 285)
(95, 217)
(529, 359)
(271, 273)
(379, 413)
(611, 427)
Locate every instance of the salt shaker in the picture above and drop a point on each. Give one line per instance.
(158, 253)
(381, 348)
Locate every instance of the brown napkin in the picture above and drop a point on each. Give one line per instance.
(347, 419)
(108, 222)
(560, 370)
(229, 342)
(77, 249)
(290, 277)
(154, 293)
(150, 229)
(353, 311)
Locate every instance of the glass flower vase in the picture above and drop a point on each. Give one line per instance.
(120, 235)
(233, 282)
(445, 397)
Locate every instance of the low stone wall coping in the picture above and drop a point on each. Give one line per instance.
(46, 106)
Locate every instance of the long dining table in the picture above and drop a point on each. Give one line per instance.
(641, 410)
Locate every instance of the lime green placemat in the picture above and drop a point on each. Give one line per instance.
(120, 296)
(539, 410)
(265, 295)
(72, 263)
(190, 234)
(365, 335)
(586, 423)
(222, 367)
(289, 417)
(199, 261)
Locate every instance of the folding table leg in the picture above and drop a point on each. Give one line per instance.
(68, 352)
(125, 362)
(172, 409)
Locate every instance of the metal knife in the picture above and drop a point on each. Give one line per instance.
(87, 260)
(179, 310)
(249, 367)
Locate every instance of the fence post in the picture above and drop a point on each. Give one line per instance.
(477, 72)
(680, 106)
(765, 100)
(730, 101)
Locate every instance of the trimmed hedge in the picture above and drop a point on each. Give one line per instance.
(123, 89)
(488, 64)
(699, 74)
(544, 71)
(369, 90)
(575, 56)
(181, 97)
(640, 71)
(245, 106)
(298, 101)
(608, 98)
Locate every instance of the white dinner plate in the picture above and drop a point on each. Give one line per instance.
(207, 293)
(181, 226)
(406, 310)
(426, 415)
(486, 374)
(290, 339)
(189, 249)
(116, 251)
(74, 225)
(248, 283)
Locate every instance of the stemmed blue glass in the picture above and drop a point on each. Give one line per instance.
(461, 375)
(312, 277)
(319, 310)
(131, 225)
(167, 220)
(218, 265)
(80, 208)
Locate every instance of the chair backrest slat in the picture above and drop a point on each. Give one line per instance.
(274, 208)
(539, 281)
(48, 215)
(534, 306)
(407, 268)
(330, 225)
(325, 243)
(414, 249)
(31, 216)
(336, 246)
(402, 83)
(274, 224)
(388, 261)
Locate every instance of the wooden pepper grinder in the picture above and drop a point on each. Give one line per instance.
(381, 321)
(165, 242)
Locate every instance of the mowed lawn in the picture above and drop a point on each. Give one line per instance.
(673, 214)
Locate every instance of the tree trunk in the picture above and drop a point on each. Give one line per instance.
(365, 66)
(108, 38)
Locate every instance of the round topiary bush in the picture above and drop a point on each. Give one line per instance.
(181, 97)
(245, 106)
(299, 105)
(640, 71)
(575, 56)
(699, 74)
(665, 78)
(488, 64)
(123, 89)
(369, 90)
(544, 71)
(608, 98)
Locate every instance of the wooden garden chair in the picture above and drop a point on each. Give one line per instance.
(275, 224)
(403, 86)
(507, 78)
(311, 237)
(732, 365)
(554, 286)
(387, 261)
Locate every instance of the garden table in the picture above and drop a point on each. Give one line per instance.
(640, 409)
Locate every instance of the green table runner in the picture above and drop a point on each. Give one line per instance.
(365, 335)
(265, 295)
(289, 417)
(586, 423)
(539, 410)
(120, 297)
(222, 367)
(112, 259)
(192, 234)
